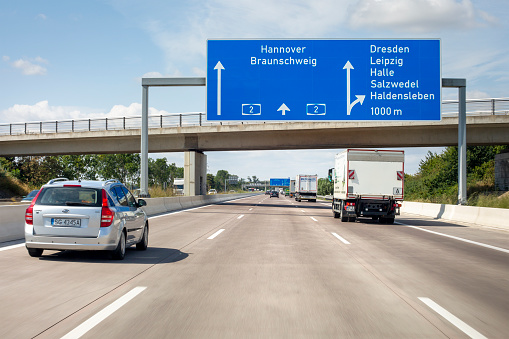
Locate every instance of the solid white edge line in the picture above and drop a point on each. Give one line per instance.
(313, 219)
(215, 234)
(457, 238)
(343, 240)
(452, 319)
(103, 314)
(241, 216)
(11, 247)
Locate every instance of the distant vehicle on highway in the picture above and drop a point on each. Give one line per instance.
(274, 194)
(30, 196)
(85, 215)
(267, 192)
(212, 191)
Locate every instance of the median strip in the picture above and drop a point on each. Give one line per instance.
(452, 319)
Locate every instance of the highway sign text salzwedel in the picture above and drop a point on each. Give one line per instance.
(301, 80)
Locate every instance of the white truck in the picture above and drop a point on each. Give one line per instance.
(368, 183)
(292, 188)
(305, 187)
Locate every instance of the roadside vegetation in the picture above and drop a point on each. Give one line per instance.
(20, 175)
(437, 178)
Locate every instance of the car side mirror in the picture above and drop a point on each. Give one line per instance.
(141, 203)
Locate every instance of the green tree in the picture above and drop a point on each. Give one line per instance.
(159, 172)
(220, 178)
(210, 181)
(325, 187)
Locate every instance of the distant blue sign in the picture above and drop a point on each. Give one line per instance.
(300, 80)
(280, 182)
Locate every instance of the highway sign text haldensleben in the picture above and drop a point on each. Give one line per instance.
(320, 80)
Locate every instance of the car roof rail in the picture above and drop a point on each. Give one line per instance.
(52, 181)
(112, 181)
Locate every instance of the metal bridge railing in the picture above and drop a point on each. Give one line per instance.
(475, 107)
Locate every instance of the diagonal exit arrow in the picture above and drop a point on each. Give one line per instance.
(360, 98)
(219, 67)
(283, 108)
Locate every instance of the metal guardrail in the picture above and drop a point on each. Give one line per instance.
(475, 107)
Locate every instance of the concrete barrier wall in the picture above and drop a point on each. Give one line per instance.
(12, 218)
(483, 216)
(12, 222)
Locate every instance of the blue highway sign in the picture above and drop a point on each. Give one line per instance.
(280, 182)
(323, 80)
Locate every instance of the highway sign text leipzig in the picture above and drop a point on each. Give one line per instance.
(323, 80)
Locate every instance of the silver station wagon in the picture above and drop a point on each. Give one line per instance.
(85, 215)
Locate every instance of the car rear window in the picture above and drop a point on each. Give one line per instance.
(70, 196)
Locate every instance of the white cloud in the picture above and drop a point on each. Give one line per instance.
(43, 111)
(42, 16)
(417, 15)
(6, 58)
(28, 67)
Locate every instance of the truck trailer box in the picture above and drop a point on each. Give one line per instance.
(369, 174)
(306, 187)
(368, 183)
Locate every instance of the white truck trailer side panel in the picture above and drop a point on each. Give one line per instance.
(369, 174)
(306, 183)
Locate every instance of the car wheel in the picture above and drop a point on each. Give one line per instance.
(143, 244)
(35, 252)
(119, 252)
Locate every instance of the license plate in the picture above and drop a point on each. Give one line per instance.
(350, 208)
(66, 222)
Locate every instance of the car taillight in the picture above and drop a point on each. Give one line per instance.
(29, 213)
(107, 214)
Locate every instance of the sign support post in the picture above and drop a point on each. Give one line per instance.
(461, 84)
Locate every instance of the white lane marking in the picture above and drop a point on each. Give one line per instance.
(313, 219)
(457, 238)
(303, 211)
(323, 203)
(452, 319)
(251, 209)
(346, 242)
(241, 216)
(216, 234)
(106, 312)
(11, 247)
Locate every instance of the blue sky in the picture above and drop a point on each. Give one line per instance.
(85, 59)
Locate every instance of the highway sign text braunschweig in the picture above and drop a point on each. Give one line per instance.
(299, 80)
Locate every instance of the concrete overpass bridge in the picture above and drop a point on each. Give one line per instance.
(487, 124)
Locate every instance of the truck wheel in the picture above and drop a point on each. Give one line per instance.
(352, 219)
(389, 221)
(344, 219)
(336, 214)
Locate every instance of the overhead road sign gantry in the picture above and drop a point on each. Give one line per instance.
(323, 80)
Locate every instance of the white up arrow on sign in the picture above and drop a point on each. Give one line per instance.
(283, 108)
(219, 67)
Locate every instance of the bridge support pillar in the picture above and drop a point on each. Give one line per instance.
(195, 173)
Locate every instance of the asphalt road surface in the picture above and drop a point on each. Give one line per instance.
(265, 267)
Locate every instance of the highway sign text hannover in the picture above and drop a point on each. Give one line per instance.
(301, 80)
